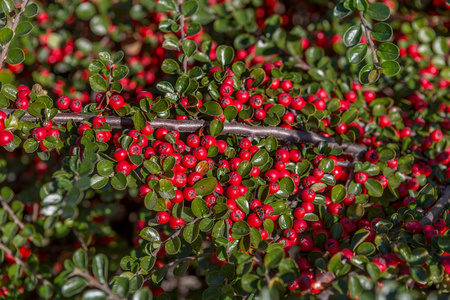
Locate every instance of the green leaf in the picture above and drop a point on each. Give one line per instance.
(100, 267)
(327, 165)
(361, 5)
(6, 35)
(80, 259)
(190, 233)
(388, 51)
(98, 83)
(170, 66)
(30, 145)
(349, 116)
(440, 45)
(205, 186)
(166, 5)
(85, 11)
(340, 11)
(390, 68)
(216, 127)
(189, 8)
(173, 246)
(120, 72)
(382, 32)
(225, 55)
(273, 258)
(259, 75)
(378, 11)
(31, 10)
(368, 74)
(23, 28)
(353, 36)
(46, 291)
(211, 108)
(139, 120)
(94, 295)
(199, 207)
(357, 54)
(73, 286)
(374, 187)
(189, 46)
(338, 193)
(15, 56)
(193, 29)
(119, 181)
(8, 6)
(366, 249)
(260, 158)
(143, 294)
(150, 234)
(10, 91)
(240, 228)
(118, 57)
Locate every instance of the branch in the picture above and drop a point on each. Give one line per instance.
(241, 129)
(183, 35)
(372, 47)
(92, 282)
(24, 265)
(301, 63)
(15, 21)
(176, 233)
(12, 214)
(437, 209)
(176, 262)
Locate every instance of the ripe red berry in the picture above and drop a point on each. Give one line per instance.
(162, 217)
(361, 177)
(6, 137)
(63, 102)
(76, 105)
(372, 156)
(341, 128)
(253, 220)
(414, 226)
(116, 101)
(39, 134)
(308, 195)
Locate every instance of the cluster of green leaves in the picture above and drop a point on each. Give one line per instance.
(380, 31)
(14, 26)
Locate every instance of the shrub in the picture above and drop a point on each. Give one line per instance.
(244, 149)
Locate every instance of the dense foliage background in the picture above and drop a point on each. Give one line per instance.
(234, 149)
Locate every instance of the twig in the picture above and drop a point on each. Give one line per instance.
(176, 262)
(438, 208)
(174, 235)
(183, 35)
(12, 214)
(372, 47)
(238, 128)
(14, 25)
(83, 244)
(92, 282)
(24, 265)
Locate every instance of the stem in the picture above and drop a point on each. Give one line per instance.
(15, 22)
(293, 136)
(24, 265)
(176, 262)
(12, 214)
(437, 209)
(183, 35)
(301, 63)
(92, 282)
(372, 47)
(176, 233)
